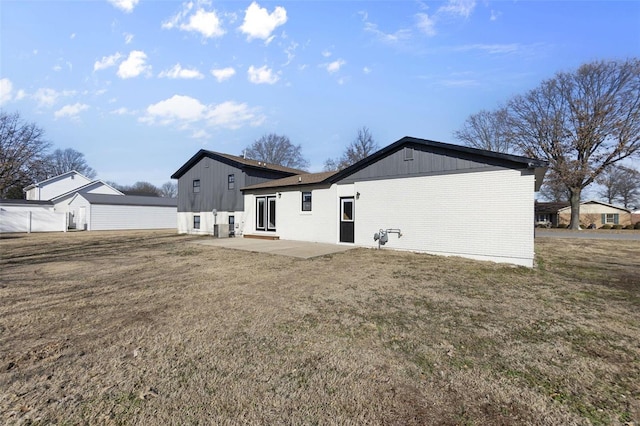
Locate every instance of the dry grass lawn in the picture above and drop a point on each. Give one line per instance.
(149, 328)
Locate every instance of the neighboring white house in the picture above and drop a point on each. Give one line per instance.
(30, 216)
(84, 204)
(422, 189)
(52, 187)
(100, 212)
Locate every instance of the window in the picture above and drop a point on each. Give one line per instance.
(611, 218)
(196, 185)
(196, 222)
(408, 154)
(306, 201)
(347, 210)
(231, 181)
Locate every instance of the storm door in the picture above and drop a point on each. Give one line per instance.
(347, 223)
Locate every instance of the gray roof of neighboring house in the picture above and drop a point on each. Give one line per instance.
(543, 207)
(25, 202)
(234, 160)
(130, 200)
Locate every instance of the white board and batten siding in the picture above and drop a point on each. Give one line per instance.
(120, 212)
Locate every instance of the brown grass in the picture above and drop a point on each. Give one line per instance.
(148, 328)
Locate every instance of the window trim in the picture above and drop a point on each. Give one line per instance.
(195, 186)
(310, 202)
(231, 181)
(611, 219)
(196, 221)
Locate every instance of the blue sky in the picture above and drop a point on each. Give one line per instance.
(140, 86)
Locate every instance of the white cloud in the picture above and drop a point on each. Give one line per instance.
(326, 53)
(290, 51)
(222, 74)
(177, 108)
(47, 97)
(126, 6)
(233, 115)
(494, 15)
(107, 61)
(262, 75)
(70, 111)
(366, 70)
(201, 21)
(122, 111)
(259, 23)
(462, 8)
(200, 134)
(426, 24)
(72, 36)
(20, 95)
(6, 89)
(335, 66)
(186, 111)
(134, 65)
(491, 48)
(128, 38)
(178, 72)
(390, 38)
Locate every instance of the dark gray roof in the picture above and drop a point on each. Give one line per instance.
(130, 200)
(297, 180)
(25, 202)
(515, 160)
(234, 160)
(509, 160)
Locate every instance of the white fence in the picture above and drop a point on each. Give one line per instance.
(32, 221)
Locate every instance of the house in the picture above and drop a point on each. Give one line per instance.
(209, 193)
(418, 192)
(105, 212)
(597, 213)
(84, 204)
(546, 213)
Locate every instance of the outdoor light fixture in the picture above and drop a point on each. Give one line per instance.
(357, 195)
(279, 194)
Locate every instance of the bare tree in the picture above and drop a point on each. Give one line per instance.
(62, 161)
(581, 122)
(276, 149)
(141, 188)
(22, 149)
(361, 147)
(487, 130)
(621, 184)
(169, 190)
(553, 189)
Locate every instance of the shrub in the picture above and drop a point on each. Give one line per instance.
(617, 226)
(605, 227)
(629, 226)
(563, 225)
(637, 225)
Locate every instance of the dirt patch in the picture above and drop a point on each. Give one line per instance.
(145, 327)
